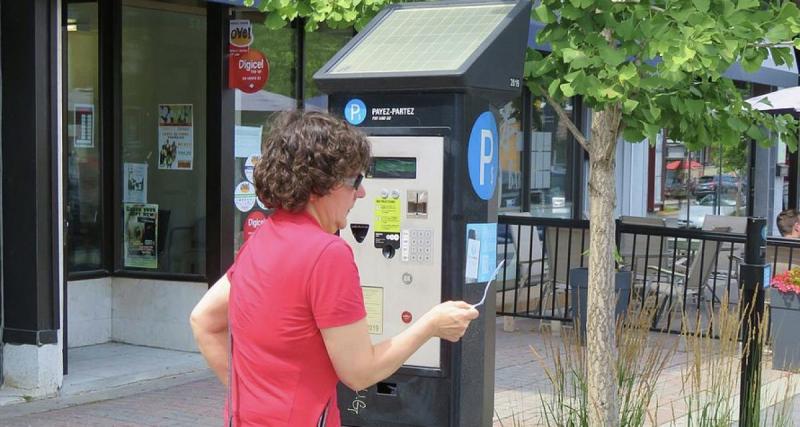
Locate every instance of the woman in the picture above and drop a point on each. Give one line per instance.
(293, 295)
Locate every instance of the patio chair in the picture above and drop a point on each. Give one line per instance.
(565, 249)
(727, 264)
(640, 250)
(528, 272)
(688, 282)
(529, 253)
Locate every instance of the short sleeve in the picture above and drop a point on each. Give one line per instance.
(334, 288)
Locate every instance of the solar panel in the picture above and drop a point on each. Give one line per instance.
(424, 39)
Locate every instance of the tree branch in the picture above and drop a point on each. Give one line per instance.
(562, 115)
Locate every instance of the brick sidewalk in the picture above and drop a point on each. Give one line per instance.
(196, 404)
(197, 401)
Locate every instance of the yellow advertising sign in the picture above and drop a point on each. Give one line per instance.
(387, 215)
(373, 302)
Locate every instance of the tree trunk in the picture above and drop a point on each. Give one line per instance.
(601, 339)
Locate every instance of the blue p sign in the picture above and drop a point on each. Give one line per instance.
(355, 111)
(483, 156)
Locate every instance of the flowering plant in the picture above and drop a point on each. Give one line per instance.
(787, 282)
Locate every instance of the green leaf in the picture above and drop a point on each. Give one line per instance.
(567, 89)
(274, 21)
(736, 124)
(610, 93)
(779, 33)
(572, 13)
(629, 105)
(756, 133)
(701, 5)
(553, 88)
(575, 57)
(631, 133)
(543, 14)
(695, 107)
(746, 4)
(627, 72)
(612, 56)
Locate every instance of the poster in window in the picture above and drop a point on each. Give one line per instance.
(134, 182)
(84, 126)
(140, 231)
(175, 137)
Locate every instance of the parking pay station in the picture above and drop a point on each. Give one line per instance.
(425, 81)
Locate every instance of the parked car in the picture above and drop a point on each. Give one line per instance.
(706, 206)
(708, 184)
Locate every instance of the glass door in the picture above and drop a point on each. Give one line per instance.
(163, 126)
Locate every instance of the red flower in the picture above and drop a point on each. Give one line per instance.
(787, 282)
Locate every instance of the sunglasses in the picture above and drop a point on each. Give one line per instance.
(355, 181)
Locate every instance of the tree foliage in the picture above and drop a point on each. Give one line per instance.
(662, 62)
(644, 65)
(334, 13)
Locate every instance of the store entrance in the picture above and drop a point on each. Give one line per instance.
(135, 120)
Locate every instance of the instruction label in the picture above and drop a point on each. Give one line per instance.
(373, 302)
(387, 215)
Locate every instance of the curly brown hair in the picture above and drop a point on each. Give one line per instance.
(307, 153)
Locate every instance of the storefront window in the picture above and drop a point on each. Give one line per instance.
(163, 153)
(511, 150)
(84, 199)
(253, 116)
(320, 46)
(551, 172)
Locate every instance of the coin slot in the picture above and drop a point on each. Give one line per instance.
(388, 252)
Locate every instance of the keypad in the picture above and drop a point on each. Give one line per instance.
(417, 246)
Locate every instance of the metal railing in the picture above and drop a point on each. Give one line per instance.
(683, 275)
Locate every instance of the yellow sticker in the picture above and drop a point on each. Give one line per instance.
(387, 215)
(373, 302)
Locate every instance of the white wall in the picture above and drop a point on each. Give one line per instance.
(154, 313)
(89, 312)
(631, 173)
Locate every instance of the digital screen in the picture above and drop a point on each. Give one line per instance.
(393, 168)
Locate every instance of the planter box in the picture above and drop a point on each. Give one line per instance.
(785, 334)
(579, 294)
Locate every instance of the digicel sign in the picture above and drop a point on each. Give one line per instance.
(253, 221)
(248, 71)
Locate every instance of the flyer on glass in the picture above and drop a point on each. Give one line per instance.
(84, 126)
(175, 136)
(140, 231)
(134, 182)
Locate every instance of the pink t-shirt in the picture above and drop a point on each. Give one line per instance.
(289, 281)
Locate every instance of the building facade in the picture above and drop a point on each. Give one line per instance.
(129, 132)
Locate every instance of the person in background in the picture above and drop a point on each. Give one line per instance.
(788, 223)
(292, 300)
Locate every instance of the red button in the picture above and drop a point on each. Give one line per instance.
(406, 317)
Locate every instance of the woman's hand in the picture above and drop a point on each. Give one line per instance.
(449, 320)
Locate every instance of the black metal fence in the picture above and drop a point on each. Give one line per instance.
(683, 274)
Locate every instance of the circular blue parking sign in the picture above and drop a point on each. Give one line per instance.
(355, 111)
(483, 155)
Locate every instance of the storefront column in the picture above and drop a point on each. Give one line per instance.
(32, 354)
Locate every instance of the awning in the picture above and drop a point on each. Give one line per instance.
(780, 101)
(683, 164)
